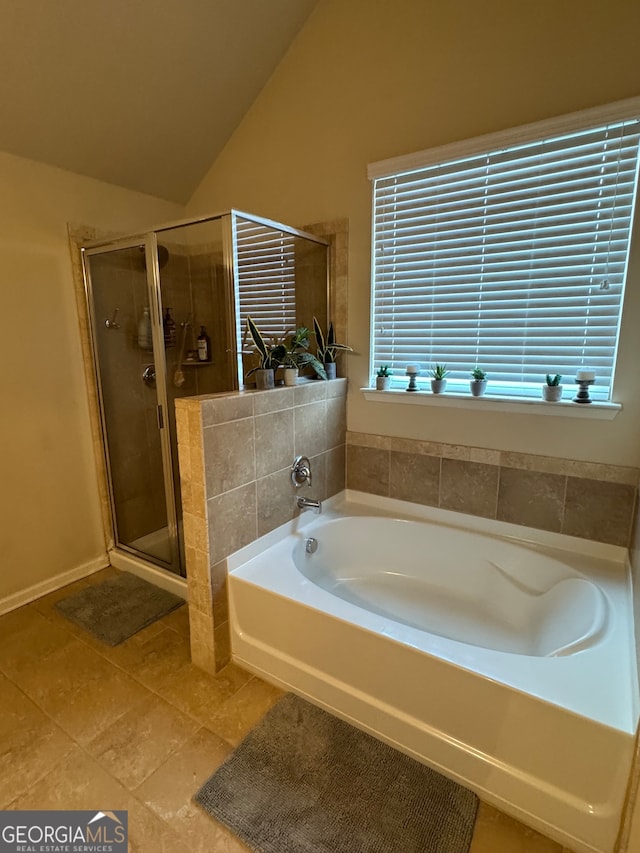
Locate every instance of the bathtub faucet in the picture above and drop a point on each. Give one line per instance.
(308, 503)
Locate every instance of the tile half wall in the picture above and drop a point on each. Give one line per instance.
(585, 499)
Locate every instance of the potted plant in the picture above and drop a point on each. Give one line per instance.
(296, 355)
(327, 350)
(438, 381)
(383, 378)
(478, 383)
(270, 358)
(552, 389)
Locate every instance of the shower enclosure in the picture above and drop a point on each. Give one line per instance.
(167, 313)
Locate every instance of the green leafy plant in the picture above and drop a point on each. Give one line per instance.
(478, 374)
(327, 349)
(439, 371)
(270, 356)
(384, 370)
(553, 381)
(296, 354)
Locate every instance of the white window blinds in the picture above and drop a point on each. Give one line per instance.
(265, 280)
(513, 260)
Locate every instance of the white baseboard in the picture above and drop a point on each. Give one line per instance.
(25, 596)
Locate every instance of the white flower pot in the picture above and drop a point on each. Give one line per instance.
(290, 375)
(552, 393)
(478, 387)
(438, 385)
(383, 383)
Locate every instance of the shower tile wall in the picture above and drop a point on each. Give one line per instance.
(584, 499)
(235, 455)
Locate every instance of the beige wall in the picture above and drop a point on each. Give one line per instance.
(49, 508)
(437, 72)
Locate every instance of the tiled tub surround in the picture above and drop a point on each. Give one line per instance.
(584, 499)
(235, 452)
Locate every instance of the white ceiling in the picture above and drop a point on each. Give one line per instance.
(139, 93)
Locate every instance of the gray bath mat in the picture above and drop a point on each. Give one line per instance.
(118, 608)
(305, 782)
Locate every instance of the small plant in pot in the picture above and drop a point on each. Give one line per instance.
(269, 358)
(296, 355)
(552, 389)
(478, 383)
(438, 373)
(327, 350)
(383, 378)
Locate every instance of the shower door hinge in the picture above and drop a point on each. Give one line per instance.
(160, 418)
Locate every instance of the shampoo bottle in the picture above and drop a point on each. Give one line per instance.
(204, 345)
(169, 328)
(145, 340)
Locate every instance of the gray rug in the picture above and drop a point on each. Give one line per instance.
(304, 781)
(118, 608)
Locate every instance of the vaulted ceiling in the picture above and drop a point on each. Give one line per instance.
(139, 93)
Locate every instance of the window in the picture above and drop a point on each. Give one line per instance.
(265, 270)
(508, 252)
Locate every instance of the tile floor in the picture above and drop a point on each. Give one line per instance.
(138, 727)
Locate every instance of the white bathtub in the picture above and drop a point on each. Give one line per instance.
(499, 655)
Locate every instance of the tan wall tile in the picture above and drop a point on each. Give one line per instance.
(229, 456)
(222, 645)
(417, 447)
(364, 439)
(531, 498)
(336, 421)
(310, 428)
(335, 462)
(223, 408)
(274, 445)
(470, 487)
(265, 402)
(414, 478)
(275, 497)
(232, 521)
(599, 510)
(309, 392)
(336, 388)
(368, 469)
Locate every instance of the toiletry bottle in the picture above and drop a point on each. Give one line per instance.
(204, 345)
(169, 328)
(145, 341)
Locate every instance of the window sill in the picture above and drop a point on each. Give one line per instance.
(494, 403)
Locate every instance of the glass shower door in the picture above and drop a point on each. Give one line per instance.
(129, 352)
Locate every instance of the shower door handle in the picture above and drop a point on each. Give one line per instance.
(149, 376)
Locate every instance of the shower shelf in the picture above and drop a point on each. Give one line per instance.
(196, 363)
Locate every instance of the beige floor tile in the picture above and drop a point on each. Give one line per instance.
(16, 708)
(141, 740)
(177, 620)
(152, 656)
(28, 637)
(168, 792)
(240, 714)
(201, 695)
(149, 834)
(30, 743)
(497, 833)
(62, 672)
(94, 707)
(78, 782)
